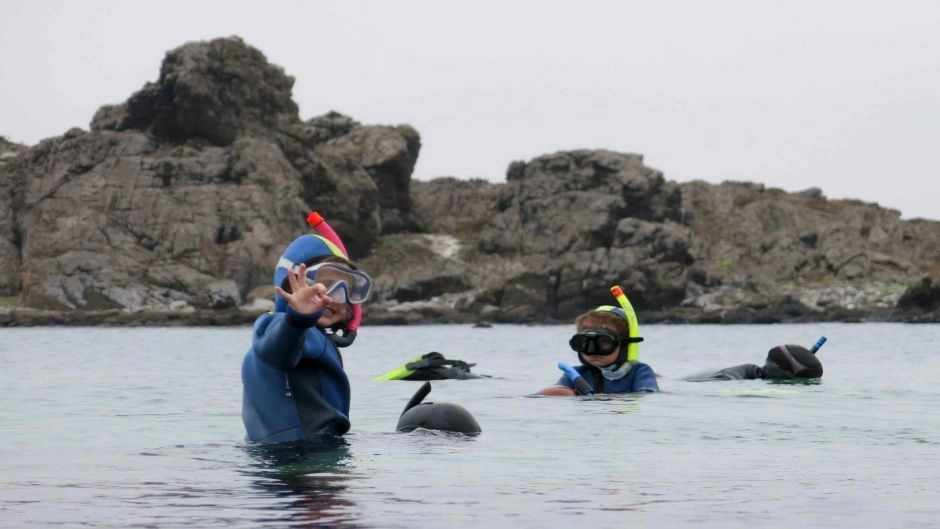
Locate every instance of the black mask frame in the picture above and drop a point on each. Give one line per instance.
(594, 342)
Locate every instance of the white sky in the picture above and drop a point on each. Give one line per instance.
(841, 95)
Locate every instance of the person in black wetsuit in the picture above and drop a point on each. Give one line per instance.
(432, 366)
(784, 362)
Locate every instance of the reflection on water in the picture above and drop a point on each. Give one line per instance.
(309, 480)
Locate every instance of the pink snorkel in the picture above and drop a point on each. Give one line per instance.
(319, 223)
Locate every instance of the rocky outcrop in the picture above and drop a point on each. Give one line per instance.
(9, 150)
(549, 243)
(174, 206)
(187, 192)
(216, 92)
(769, 244)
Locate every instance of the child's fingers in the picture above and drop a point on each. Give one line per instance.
(301, 277)
(290, 278)
(295, 278)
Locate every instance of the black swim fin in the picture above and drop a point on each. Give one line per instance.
(418, 397)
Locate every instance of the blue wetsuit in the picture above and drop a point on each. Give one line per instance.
(294, 384)
(640, 378)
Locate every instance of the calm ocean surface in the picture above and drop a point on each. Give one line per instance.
(141, 427)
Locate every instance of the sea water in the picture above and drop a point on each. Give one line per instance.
(141, 427)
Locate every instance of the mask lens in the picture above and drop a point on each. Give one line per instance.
(577, 342)
(605, 343)
(338, 292)
(355, 285)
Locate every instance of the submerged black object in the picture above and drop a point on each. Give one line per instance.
(432, 366)
(791, 361)
(739, 372)
(784, 362)
(442, 416)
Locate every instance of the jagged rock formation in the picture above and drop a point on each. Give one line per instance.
(9, 150)
(549, 243)
(9, 239)
(187, 192)
(174, 206)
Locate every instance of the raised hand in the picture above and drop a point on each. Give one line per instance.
(303, 298)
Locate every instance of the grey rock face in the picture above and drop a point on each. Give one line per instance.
(216, 91)
(549, 243)
(188, 192)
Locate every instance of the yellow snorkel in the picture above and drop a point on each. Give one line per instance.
(633, 348)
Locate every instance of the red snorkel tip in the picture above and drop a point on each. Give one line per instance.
(616, 291)
(314, 219)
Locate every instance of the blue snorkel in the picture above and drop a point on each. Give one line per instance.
(580, 385)
(819, 343)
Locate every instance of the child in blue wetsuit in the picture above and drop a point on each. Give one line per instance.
(602, 342)
(294, 385)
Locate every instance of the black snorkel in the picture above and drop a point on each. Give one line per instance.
(342, 337)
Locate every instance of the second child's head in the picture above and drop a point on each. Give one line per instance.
(601, 336)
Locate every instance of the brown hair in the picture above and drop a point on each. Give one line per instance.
(605, 319)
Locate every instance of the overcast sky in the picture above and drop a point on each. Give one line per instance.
(844, 95)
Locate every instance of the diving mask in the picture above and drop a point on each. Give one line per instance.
(355, 286)
(594, 342)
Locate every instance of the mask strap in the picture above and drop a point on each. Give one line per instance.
(286, 263)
